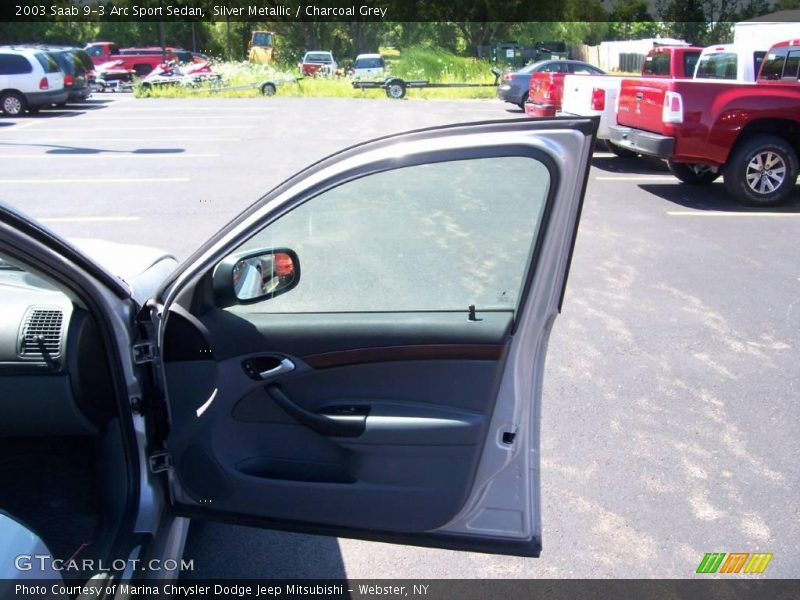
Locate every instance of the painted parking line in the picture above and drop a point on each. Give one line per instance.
(96, 180)
(211, 115)
(141, 128)
(148, 139)
(214, 109)
(637, 178)
(724, 213)
(106, 154)
(85, 219)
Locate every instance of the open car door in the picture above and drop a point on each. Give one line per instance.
(360, 353)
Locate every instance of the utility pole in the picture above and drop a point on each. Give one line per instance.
(161, 38)
(228, 34)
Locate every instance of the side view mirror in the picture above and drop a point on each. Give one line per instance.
(255, 275)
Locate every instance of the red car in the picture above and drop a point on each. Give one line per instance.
(749, 133)
(547, 85)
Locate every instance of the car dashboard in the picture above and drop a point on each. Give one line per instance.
(55, 373)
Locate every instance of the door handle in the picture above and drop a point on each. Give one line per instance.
(267, 367)
(285, 366)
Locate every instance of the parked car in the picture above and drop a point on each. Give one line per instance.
(242, 385)
(749, 133)
(141, 64)
(79, 71)
(369, 66)
(318, 63)
(514, 86)
(729, 62)
(547, 85)
(590, 95)
(29, 80)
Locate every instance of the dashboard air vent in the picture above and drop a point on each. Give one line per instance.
(41, 326)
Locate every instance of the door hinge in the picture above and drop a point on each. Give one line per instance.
(144, 352)
(160, 462)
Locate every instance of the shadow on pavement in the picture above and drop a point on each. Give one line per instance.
(70, 110)
(642, 165)
(712, 198)
(58, 149)
(222, 551)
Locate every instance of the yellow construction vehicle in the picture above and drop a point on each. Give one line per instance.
(262, 48)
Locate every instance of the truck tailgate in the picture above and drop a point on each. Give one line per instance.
(641, 102)
(578, 91)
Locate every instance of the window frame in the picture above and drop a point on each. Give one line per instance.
(424, 158)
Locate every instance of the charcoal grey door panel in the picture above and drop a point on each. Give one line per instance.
(423, 436)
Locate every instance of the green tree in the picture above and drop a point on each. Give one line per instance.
(631, 20)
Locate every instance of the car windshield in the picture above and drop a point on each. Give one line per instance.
(318, 57)
(49, 64)
(64, 61)
(369, 63)
(83, 58)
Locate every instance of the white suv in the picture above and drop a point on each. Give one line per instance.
(29, 79)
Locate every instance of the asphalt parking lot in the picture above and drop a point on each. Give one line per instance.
(670, 412)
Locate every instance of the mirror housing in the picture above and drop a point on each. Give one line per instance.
(255, 275)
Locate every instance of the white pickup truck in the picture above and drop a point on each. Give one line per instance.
(592, 95)
(730, 62)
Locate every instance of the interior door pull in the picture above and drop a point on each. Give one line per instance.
(285, 366)
(332, 425)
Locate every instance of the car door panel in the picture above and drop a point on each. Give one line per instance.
(427, 416)
(445, 401)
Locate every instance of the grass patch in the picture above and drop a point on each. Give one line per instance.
(422, 63)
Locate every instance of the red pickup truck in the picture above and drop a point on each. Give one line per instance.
(141, 64)
(747, 132)
(545, 95)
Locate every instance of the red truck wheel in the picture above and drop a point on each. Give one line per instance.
(761, 171)
(693, 174)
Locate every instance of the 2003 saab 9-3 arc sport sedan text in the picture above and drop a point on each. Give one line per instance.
(359, 354)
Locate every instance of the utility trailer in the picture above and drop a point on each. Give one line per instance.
(395, 87)
(267, 87)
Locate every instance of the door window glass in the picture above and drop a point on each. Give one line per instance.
(792, 64)
(772, 67)
(14, 64)
(656, 64)
(433, 237)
